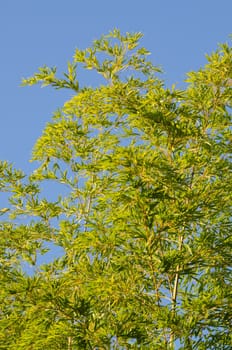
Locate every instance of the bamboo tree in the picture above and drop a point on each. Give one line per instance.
(142, 214)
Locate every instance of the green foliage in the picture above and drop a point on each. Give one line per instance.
(143, 211)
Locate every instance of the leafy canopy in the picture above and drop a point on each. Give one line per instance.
(140, 180)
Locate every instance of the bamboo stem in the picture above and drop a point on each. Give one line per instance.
(175, 293)
(69, 343)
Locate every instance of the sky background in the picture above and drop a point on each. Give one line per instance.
(34, 33)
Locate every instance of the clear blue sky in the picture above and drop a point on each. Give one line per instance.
(34, 33)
